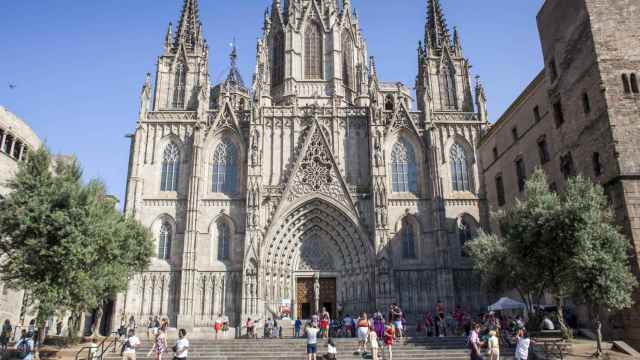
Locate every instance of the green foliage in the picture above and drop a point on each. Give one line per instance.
(64, 242)
(566, 245)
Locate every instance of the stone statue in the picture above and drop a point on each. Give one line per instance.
(377, 144)
(316, 292)
(255, 149)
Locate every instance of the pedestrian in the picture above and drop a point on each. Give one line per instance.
(150, 327)
(332, 350)
(5, 335)
(378, 324)
(181, 348)
(217, 326)
(24, 346)
(250, 325)
(159, 344)
(325, 319)
(268, 328)
(493, 346)
(373, 343)
(59, 327)
(348, 325)
(311, 332)
(132, 323)
(128, 351)
(389, 334)
(297, 326)
(93, 349)
(474, 342)
(363, 332)
(522, 344)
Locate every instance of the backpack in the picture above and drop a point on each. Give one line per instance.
(24, 349)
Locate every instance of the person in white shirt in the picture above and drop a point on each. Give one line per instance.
(332, 350)
(523, 343)
(547, 324)
(182, 345)
(129, 346)
(312, 340)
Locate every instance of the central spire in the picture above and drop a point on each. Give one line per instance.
(436, 32)
(189, 27)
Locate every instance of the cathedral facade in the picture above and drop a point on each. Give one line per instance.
(317, 185)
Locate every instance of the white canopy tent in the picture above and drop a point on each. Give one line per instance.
(506, 303)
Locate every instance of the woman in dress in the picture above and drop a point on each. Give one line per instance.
(160, 342)
(363, 332)
(217, 326)
(378, 324)
(389, 334)
(493, 346)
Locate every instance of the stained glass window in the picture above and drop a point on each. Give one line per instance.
(460, 173)
(403, 168)
(224, 168)
(170, 168)
(223, 241)
(313, 52)
(164, 242)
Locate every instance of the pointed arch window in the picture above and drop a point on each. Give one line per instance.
(465, 234)
(164, 242)
(224, 234)
(180, 86)
(170, 168)
(460, 173)
(447, 88)
(403, 168)
(224, 168)
(277, 64)
(313, 57)
(408, 240)
(347, 61)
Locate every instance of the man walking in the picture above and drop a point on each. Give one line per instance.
(129, 346)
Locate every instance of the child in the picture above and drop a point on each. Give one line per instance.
(493, 346)
(332, 351)
(93, 349)
(297, 327)
(389, 334)
(373, 340)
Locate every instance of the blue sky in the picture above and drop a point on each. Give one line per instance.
(79, 65)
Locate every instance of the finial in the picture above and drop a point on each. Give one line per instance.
(234, 53)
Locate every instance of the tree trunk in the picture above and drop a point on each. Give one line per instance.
(95, 327)
(598, 326)
(566, 332)
(80, 324)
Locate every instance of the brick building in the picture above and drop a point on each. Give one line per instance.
(580, 115)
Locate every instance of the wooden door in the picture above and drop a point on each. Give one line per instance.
(304, 298)
(328, 297)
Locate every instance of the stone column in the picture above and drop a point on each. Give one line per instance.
(185, 316)
(316, 292)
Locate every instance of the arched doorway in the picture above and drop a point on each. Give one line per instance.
(317, 256)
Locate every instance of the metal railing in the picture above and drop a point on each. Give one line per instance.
(108, 343)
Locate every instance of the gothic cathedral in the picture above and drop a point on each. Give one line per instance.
(317, 186)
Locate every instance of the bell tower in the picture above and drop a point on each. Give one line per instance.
(182, 70)
(443, 74)
(311, 52)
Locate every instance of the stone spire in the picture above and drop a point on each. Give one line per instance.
(234, 77)
(189, 30)
(436, 33)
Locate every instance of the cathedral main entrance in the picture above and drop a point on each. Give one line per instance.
(312, 294)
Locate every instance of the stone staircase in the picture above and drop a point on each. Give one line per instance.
(271, 349)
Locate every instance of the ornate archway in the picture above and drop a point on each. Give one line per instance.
(317, 239)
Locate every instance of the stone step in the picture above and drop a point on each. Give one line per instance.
(453, 348)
